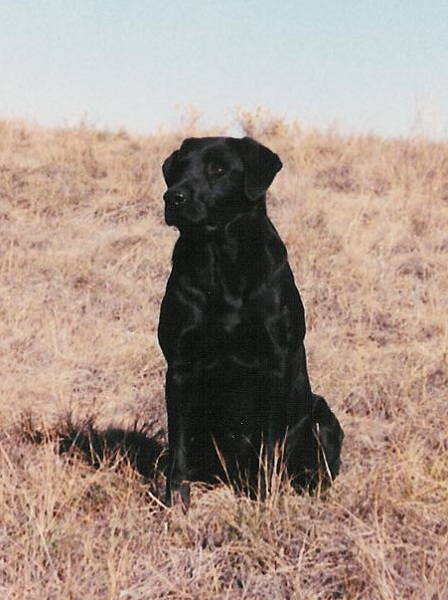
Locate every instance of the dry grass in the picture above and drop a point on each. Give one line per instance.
(84, 258)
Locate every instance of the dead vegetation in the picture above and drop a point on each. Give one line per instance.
(84, 258)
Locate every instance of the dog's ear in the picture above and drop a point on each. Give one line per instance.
(260, 164)
(169, 166)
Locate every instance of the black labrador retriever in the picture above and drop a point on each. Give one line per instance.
(231, 328)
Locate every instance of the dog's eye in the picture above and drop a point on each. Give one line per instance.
(216, 169)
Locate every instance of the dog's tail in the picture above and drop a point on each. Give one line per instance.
(313, 448)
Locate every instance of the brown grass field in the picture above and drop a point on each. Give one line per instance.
(84, 258)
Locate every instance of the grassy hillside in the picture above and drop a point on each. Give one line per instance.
(84, 258)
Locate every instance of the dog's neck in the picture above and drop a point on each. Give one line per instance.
(240, 227)
(231, 249)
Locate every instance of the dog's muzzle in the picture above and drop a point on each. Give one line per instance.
(174, 197)
(174, 200)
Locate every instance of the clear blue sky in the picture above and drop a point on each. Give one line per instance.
(368, 65)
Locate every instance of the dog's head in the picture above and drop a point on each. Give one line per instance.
(212, 180)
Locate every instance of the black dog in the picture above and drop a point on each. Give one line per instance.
(231, 328)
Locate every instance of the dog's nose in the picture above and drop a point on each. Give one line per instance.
(174, 197)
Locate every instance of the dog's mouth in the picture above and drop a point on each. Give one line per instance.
(194, 230)
(176, 218)
(186, 224)
(170, 217)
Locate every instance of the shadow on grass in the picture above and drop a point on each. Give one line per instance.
(144, 450)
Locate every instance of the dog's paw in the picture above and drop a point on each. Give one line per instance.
(179, 495)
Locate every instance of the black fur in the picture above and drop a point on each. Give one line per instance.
(232, 326)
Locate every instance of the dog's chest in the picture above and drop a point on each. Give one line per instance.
(215, 297)
(221, 282)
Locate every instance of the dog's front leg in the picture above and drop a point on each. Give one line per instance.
(177, 488)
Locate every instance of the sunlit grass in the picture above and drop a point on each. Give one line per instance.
(84, 258)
